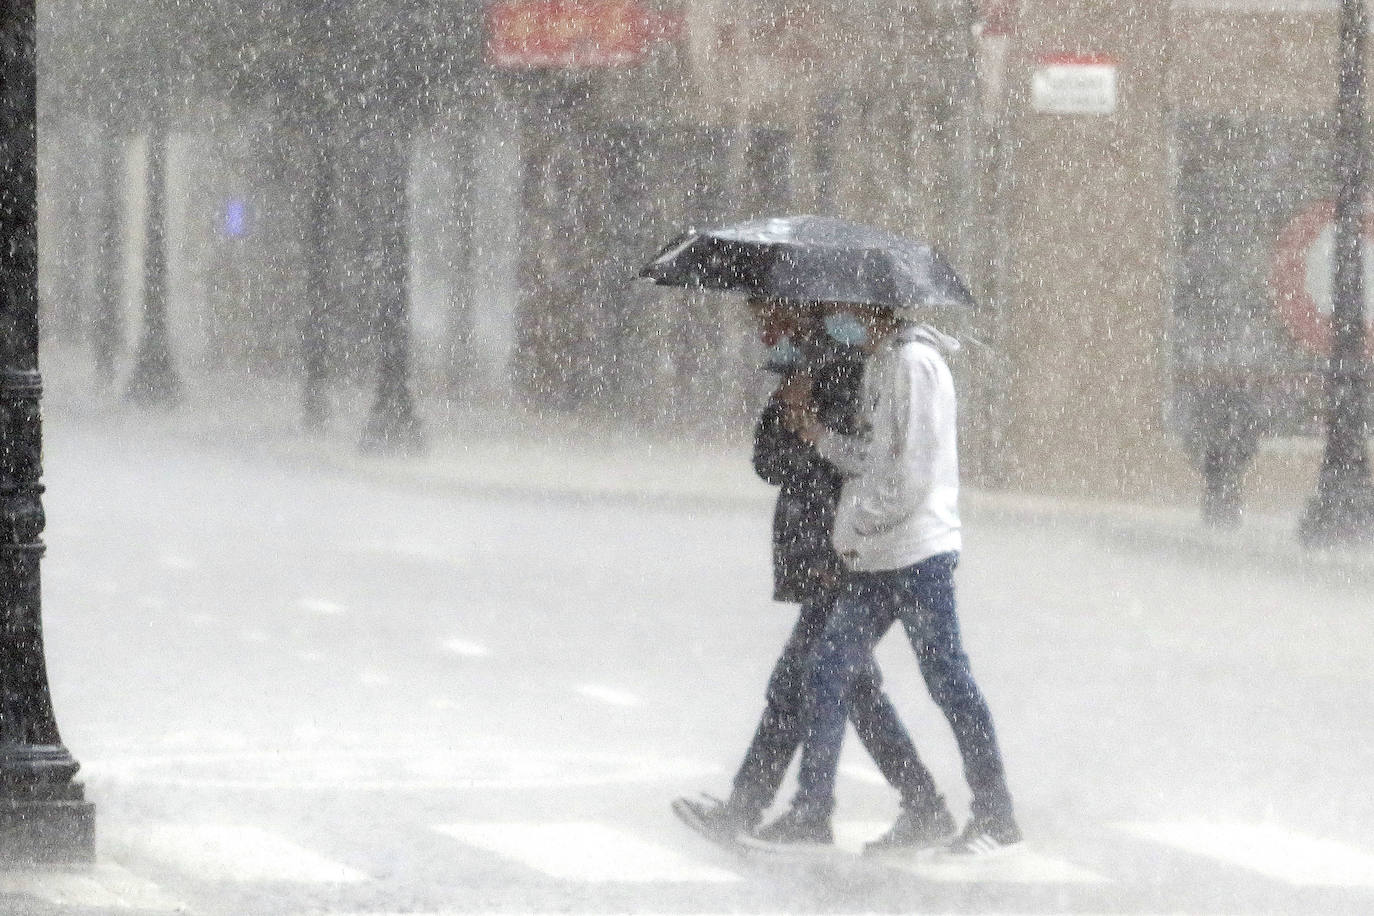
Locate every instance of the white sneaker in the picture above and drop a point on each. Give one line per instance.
(983, 840)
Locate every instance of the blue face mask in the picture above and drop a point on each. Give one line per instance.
(783, 355)
(845, 328)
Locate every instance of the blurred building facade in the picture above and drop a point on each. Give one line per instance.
(1124, 252)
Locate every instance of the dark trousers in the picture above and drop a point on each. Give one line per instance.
(780, 730)
(922, 598)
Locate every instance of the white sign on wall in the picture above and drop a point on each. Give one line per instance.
(1075, 84)
(1258, 6)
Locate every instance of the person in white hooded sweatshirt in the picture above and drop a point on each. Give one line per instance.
(897, 531)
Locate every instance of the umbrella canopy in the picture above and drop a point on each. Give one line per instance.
(813, 258)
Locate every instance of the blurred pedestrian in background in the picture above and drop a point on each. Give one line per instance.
(1222, 422)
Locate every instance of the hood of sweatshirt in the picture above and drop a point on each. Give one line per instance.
(925, 333)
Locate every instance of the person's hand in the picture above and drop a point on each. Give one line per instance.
(799, 412)
(807, 427)
(802, 422)
(827, 579)
(795, 390)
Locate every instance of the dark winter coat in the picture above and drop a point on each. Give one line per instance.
(804, 562)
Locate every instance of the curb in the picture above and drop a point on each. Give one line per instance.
(1270, 544)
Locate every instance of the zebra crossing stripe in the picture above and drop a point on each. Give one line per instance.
(222, 852)
(852, 835)
(1016, 865)
(1267, 849)
(103, 887)
(862, 773)
(585, 852)
(609, 695)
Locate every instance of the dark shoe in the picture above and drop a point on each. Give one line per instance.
(793, 832)
(913, 832)
(984, 839)
(718, 821)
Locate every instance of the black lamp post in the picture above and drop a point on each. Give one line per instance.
(43, 815)
(1343, 509)
(393, 426)
(318, 286)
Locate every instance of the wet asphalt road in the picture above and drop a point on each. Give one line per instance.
(299, 691)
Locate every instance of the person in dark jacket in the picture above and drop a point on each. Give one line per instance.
(806, 570)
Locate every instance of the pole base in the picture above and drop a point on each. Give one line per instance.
(315, 410)
(153, 393)
(391, 432)
(154, 383)
(1346, 520)
(47, 832)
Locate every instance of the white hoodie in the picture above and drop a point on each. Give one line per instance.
(900, 501)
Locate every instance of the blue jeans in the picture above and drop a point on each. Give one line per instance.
(779, 731)
(922, 598)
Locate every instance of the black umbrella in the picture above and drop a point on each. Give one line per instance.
(813, 258)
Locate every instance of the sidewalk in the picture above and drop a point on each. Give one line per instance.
(488, 446)
(1269, 541)
(501, 449)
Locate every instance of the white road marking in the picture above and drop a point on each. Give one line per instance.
(585, 852)
(1268, 849)
(609, 695)
(225, 852)
(852, 835)
(320, 606)
(466, 649)
(203, 739)
(310, 655)
(371, 771)
(106, 886)
(1014, 866)
(177, 561)
(1019, 866)
(692, 912)
(315, 735)
(863, 774)
(373, 678)
(413, 550)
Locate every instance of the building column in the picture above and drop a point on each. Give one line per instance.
(319, 276)
(1087, 200)
(463, 138)
(155, 381)
(107, 321)
(545, 359)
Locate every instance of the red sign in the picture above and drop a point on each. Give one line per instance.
(1302, 276)
(573, 33)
